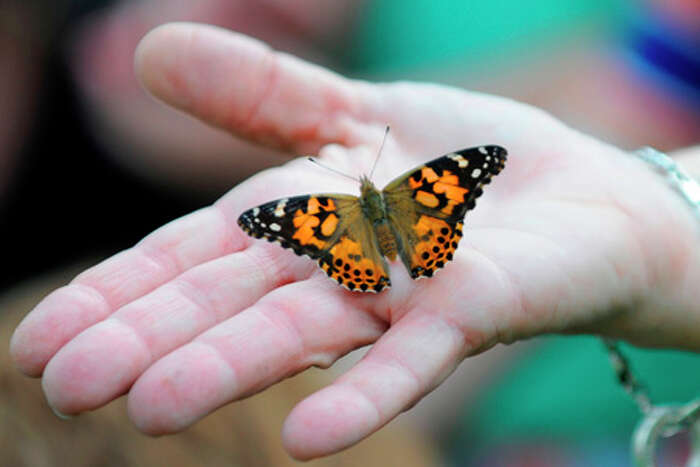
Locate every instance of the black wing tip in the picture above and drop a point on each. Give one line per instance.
(244, 221)
(494, 150)
(501, 155)
(489, 150)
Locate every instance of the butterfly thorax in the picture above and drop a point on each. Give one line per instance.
(374, 210)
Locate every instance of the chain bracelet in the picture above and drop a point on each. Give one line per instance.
(626, 378)
(678, 178)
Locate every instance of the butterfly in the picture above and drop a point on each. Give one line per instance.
(418, 216)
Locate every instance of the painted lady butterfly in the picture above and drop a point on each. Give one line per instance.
(418, 216)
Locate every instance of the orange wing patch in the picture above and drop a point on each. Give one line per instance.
(426, 174)
(427, 199)
(347, 266)
(318, 217)
(448, 185)
(435, 191)
(329, 225)
(306, 224)
(437, 243)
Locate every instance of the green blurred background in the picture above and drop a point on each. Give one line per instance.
(79, 135)
(395, 35)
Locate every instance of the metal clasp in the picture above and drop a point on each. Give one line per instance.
(662, 422)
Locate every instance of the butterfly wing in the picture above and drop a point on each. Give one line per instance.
(329, 228)
(426, 206)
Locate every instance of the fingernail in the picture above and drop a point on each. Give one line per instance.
(61, 415)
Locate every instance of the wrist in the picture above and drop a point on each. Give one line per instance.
(668, 315)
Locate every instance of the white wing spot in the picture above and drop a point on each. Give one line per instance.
(256, 211)
(483, 150)
(459, 159)
(279, 210)
(485, 166)
(476, 173)
(275, 227)
(262, 224)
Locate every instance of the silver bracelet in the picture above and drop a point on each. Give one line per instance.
(678, 178)
(659, 421)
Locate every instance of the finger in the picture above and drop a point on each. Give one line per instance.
(86, 374)
(241, 85)
(97, 292)
(406, 363)
(301, 324)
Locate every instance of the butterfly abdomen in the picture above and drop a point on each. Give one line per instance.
(387, 242)
(374, 209)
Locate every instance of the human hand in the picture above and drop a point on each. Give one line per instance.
(572, 236)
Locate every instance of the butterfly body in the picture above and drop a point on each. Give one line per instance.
(417, 217)
(374, 209)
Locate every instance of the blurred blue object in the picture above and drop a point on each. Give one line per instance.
(666, 53)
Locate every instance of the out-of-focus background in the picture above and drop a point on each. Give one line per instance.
(89, 164)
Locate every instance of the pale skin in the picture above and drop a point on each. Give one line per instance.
(573, 236)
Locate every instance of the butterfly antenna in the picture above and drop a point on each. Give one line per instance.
(311, 159)
(376, 159)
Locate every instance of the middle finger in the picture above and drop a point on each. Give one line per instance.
(296, 326)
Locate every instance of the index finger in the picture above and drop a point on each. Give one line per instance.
(241, 85)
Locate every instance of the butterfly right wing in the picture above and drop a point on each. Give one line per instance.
(426, 206)
(329, 228)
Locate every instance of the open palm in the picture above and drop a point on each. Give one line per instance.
(568, 238)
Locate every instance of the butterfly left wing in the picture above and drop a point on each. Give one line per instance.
(426, 206)
(329, 228)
